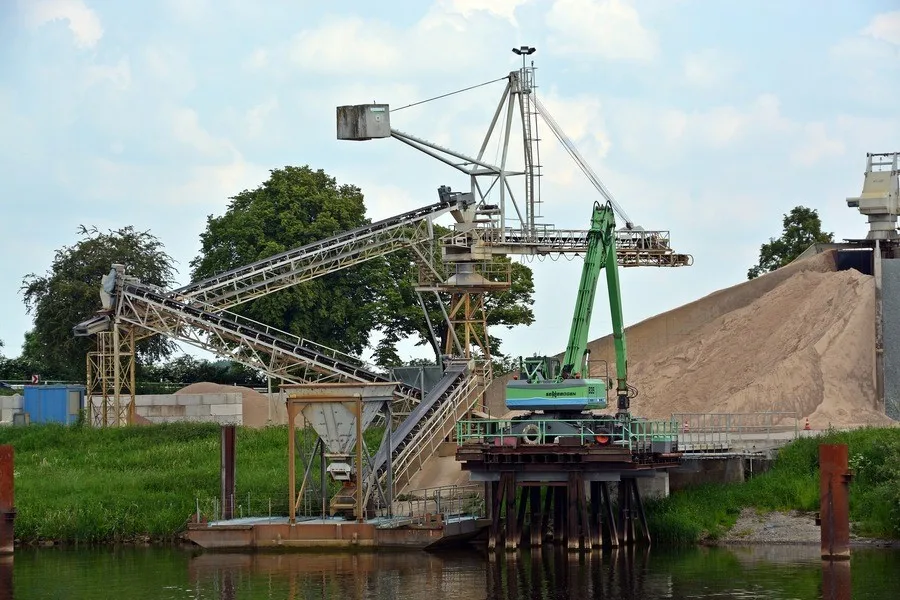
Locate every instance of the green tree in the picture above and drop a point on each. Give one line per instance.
(68, 293)
(294, 207)
(298, 206)
(802, 228)
(186, 369)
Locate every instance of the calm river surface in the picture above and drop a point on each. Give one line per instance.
(749, 572)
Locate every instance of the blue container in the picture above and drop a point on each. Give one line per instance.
(53, 403)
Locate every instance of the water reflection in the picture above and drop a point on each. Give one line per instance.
(625, 574)
(773, 572)
(555, 573)
(6, 577)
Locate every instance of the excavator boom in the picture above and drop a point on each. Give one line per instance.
(600, 241)
(541, 383)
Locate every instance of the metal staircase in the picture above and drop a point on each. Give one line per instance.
(432, 421)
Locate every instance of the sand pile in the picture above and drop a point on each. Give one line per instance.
(256, 409)
(799, 339)
(808, 346)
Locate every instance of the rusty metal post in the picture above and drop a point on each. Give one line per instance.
(292, 466)
(7, 499)
(360, 515)
(834, 501)
(228, 471)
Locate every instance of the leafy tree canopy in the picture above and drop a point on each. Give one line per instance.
(69, 292)
(802, 228)
(186, 369)
(298, 206)
(294, 207)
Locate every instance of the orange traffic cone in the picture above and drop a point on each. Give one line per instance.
(806, 427)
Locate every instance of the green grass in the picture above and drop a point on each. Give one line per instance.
(87, 485)
(708, 511)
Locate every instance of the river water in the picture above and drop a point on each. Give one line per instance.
(773, 572)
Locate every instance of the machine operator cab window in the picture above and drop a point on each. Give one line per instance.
(539, 368)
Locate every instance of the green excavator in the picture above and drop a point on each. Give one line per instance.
(564, 391)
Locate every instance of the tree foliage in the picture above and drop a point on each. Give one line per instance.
(294, 207)
(186, 369)
(29, 362)
(68, 293)
(802, 228)
(298, 206)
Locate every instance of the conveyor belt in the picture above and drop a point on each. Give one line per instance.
(319, 258)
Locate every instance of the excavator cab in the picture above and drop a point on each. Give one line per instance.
(537, 369)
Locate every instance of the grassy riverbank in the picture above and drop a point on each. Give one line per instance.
(86, 485)
(707, 512)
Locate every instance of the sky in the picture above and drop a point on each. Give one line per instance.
(708, 119)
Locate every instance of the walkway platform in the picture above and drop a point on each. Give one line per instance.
(259, 533)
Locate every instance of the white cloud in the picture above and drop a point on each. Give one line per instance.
(170, 67)
(505, 9)
(83, 22)
(189, 10)
(258, 59)
(868, 63)
(609, 29)
(885, 27)
(816, 146)
(707, 68)
(118, 75)
(256, 116)
(186, 129)
(347, 45)
(581, 118)
(453, 35)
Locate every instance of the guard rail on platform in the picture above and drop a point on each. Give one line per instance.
(727, 432)
(636, 435)
(417, 507)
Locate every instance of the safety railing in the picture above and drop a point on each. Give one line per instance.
(451, 501)
(439, 425)
(728, 432)
(636, 435)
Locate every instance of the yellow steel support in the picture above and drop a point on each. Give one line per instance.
(111, 378)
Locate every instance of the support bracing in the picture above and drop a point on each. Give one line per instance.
(574, 514)
(111, 378)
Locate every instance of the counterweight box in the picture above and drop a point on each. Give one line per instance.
(363, 122)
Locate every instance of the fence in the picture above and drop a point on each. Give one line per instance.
(411, 507)
(637, 435)
(450, 500)
(723, 432)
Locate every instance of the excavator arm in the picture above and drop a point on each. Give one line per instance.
(601, 252)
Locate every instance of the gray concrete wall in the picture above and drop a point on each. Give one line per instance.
(10, 405)
(697, 471)
(890, 315)
(169, 408)
(654, 487)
